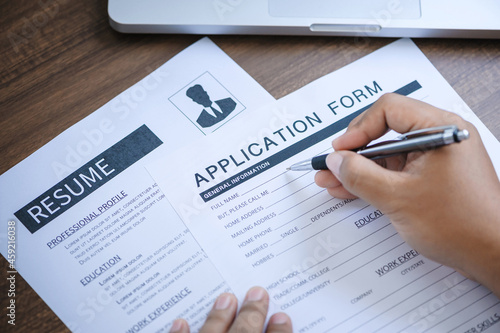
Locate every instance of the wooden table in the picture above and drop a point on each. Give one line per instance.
(61, 61)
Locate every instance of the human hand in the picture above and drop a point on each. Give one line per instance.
(251, 318)
(444, 203)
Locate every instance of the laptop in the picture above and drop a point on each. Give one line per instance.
(371, 18)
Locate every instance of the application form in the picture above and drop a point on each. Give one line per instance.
(88, 228)
(333, 265)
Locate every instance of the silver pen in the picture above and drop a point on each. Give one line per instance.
(419, 140)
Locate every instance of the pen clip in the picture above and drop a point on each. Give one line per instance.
(427, 131)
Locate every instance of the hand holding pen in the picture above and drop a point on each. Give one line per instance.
(419, 140)
(443, 203)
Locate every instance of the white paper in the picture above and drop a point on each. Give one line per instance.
(332, 265)
(121, 260)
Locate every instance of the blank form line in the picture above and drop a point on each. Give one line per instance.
(407, 298)
(279, 240)
(288, 196)
(291, 247)
(267, 181)
(429, 313)
(304, 213)
(345, 248)
(340, 278)
(298, 203)
(480, 313)
(290, 182)
(380, 300)
(454, 314)
(305, 226)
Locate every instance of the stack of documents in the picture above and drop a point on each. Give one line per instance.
(176, 191)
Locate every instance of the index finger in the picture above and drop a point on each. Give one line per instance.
(392, 111)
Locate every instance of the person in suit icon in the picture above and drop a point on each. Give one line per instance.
(211, 114)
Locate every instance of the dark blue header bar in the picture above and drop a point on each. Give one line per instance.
(87, 179)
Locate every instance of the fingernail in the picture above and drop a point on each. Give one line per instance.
(176, 326)
(222, 302)
(255, 294)
(334, 161)
(278, 319)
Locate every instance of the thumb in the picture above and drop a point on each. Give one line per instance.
(364, 178)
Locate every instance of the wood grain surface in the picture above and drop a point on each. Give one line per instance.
(61, 61)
